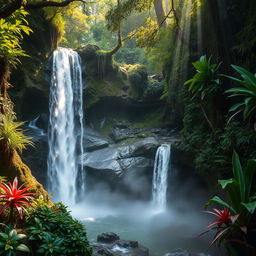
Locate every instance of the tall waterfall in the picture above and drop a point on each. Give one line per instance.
(160, 177)
(65, 133)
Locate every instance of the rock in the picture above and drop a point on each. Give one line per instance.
(178, 252)
(108, 245)
(127, 244)
(118, 134)
(117, 159)
(127, 168)
(93, 141)
(100, 250)
(121, 124)
(108, 237)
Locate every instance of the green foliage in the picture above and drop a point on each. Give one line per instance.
(241, 198)
(51, 246)
(138, 77)
(212, 151)
(54, 232)
(205, 81)
(12, 136)
(247, 91)
(153, 90)
(241, 202)
(147, 35)
(122, 11)
(11, 242)
(11, 34)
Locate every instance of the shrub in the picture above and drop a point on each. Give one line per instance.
(55, 226)
(11, 242)
(153, 90)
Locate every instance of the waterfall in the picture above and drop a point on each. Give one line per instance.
(65, 132)
(160, 177)
(37, 130)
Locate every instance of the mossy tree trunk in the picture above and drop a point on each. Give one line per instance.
(11, 166)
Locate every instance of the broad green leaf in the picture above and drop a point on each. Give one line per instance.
(249, 174)
(246, 75)
(236, 106)
(238, 174)
(22, 248)
(224, 183)
(251, 207)
(218, 200)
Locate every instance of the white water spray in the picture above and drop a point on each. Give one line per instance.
(65, 133)
(32, 125)
(160, 177)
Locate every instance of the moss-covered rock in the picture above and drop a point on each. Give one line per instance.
(138, 78)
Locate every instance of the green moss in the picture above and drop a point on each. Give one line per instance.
(10, 168)
(138, 77)
(153, 119)
(98, 88)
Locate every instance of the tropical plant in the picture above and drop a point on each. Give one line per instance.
(247, 91)
(12, 136)
(47, 224)
(51, 246)
(15, 197)
(11, 242)
(11, 32)
(241, 203)
(204, 83)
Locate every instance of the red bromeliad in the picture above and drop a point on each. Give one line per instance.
(224, 217)
(15, 197)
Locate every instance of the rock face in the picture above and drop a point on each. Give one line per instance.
(127, 168)
(109, 244)
(36, 157)
(93, 141)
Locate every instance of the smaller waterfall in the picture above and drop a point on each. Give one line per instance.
(32, 125)
(160, 177)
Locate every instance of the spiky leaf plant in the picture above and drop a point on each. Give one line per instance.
(12, 136)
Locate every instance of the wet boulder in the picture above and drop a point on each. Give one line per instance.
(107, 237)
(109, 244)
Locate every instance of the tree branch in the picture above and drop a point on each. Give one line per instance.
(119, 35)
(10, 8)
(14, 5)
(38, 5)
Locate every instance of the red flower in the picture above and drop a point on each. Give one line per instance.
(15, 197)
(224, 217)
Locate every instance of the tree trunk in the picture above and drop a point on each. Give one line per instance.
(160, 13)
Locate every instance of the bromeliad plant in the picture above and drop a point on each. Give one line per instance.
(247, 91)
(241, 204)
(14, 197)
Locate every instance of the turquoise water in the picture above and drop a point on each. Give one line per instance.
(161, 233)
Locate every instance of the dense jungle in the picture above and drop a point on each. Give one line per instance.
(127, 127)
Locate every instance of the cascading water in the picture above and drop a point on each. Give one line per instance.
(65, 132)
(160, 177)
